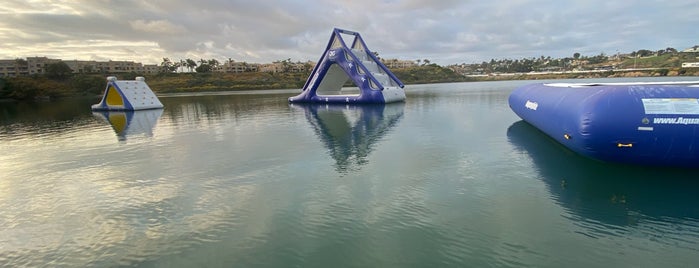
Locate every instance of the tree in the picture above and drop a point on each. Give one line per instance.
(597, 59)
(21, 62)
(576, 55)
(204, 66)
(642, 53)
(87, 84)
(286, 65)
(58, 70)
(183, 64)
(191, 64)
(167, 66)
(213, 63)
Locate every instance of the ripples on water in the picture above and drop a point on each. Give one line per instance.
(449, 178)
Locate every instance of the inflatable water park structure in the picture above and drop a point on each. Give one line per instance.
(127, 95)
(641, 123)
(340, 64)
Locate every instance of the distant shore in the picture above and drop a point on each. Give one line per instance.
(42, 88)
(639, 72)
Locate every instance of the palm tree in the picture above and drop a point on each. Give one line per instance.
(166, 66)
(182, 64)
(213, 63)
(191, 64)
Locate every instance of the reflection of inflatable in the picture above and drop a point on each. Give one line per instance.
(339, 64)
(130, 123)
(124, 95)
(636, 123)
(609, 193)
(349, 132)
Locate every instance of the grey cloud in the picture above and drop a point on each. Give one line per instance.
(445, 32)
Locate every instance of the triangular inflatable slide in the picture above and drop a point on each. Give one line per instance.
(339, 64)
(128, 95)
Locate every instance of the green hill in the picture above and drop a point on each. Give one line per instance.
(33, 87)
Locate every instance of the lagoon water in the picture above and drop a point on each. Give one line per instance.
(451, 177)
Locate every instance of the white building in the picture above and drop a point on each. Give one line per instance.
(37, 65)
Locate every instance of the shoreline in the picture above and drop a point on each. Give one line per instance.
(85, 85)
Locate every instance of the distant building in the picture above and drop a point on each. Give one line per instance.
(28, 66)
(232, 66)
(113, 67)
(694, 49)
(9, 68)
(690, 65)
(398, 64)
(467, 69)
(290, 67)
(37, 65)
(151, 69)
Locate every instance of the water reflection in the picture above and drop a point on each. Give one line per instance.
(131, 123)
(614, 194)
(351, 132)
(19, 119)
(188, 108)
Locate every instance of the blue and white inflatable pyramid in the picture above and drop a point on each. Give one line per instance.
(127, 95)
(339, 64)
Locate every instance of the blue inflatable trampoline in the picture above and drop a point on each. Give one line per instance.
(645, 123)
(340, 64)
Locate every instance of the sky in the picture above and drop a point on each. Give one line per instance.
(442, 31)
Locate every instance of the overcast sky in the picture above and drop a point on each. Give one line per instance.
(258, 31)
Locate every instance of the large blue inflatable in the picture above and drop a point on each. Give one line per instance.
(340, 64)
(645, 123)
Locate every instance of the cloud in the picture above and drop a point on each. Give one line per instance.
(157, 27)
(446, 32)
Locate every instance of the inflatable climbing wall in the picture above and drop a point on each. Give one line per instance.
(128, 95)
(340, 64)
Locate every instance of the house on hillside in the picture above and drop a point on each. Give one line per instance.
(694, 49)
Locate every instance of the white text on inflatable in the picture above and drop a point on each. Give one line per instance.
(531, 105)
(676, 121)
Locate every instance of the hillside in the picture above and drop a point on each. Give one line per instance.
(33, 87)
(196, 82)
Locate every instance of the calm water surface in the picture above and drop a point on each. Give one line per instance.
(449, 178)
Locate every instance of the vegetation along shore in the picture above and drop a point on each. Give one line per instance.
(60, 81)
